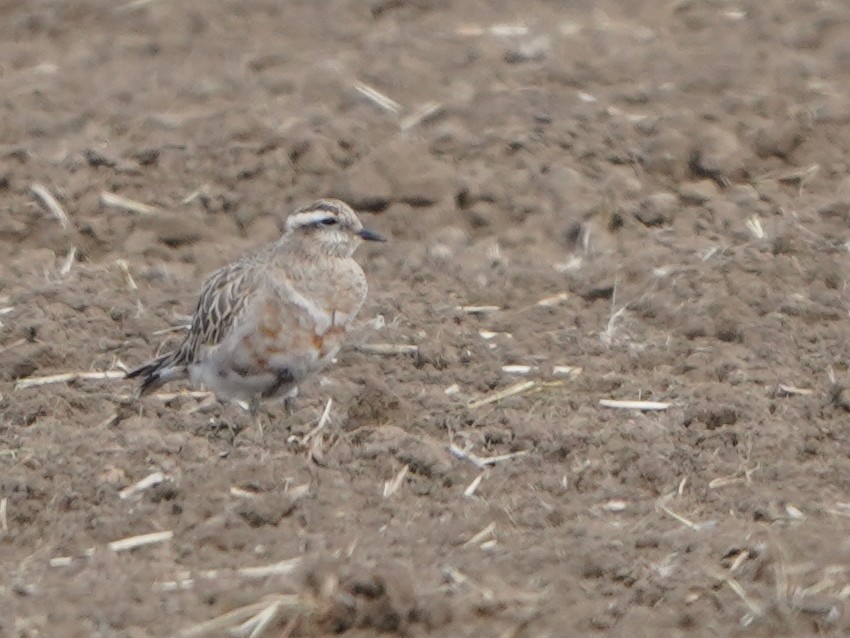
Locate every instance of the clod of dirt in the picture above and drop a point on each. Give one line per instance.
(382, 599)
(365, 187)
(728, 328)
(838, 210)
(180, 230)
(425, 457)
(719, 154)
(374, 405)
(657, 209)
(710, 413)
(779, 140)
(666, 153)
(266, 509)
(24, 361)
(699, 192)
(312, 153)
(400, 171)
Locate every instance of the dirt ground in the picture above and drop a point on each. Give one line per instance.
(654, 200)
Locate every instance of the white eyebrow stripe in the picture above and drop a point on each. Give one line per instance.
(308, 217)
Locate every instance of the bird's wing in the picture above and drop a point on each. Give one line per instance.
(224, 297)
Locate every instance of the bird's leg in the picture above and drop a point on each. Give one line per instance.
(256, 416)
(289, 401)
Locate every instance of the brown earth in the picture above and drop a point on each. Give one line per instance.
(678, 169)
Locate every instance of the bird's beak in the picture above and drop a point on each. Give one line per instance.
(370, 235)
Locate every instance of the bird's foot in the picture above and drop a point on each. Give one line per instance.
(289, 402)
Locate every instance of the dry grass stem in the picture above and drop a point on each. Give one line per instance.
(386, 348)
(68, 262)
(553, 300)
(469, 492)
(517, 388)
(422, 114)
(840, 509)
(391, 487)
(152, 480)
(133, 542)
(227, 623)
(378, 98)
(32, 382)
(133, 5)
(281, 568)
(124, 267)
(111, 200)
(482, 462)
(485, 534)
(644, 406)
(4, 516)
(792, 390)
(323, 421)
(65, 561)
(755, 227)
(615, 506)
(184, 580)
(570, 372)
(478, 310)
(744, 476)
(256, 626)
(489, 334)
(51, 204)
(189, 394)
(685, 521)
(518, 369)
(735, 586)
(112, 418)
(498, 30)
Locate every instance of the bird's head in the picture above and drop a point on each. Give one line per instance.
(330, 226)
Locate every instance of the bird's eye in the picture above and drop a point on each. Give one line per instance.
(329, 221)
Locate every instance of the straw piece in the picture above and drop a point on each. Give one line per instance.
(422, 114)
(517, 388)
(391, 487)
(152, 480)
(227, 620)
(645, 406)
(51, 204)
(489, 334)
(111, 200)
(124, 267)
(482, 535)
(323, 420)
(32, 382)
(469, 492)
(478, 310)
(518, 369)
(133, 542)
(386, 348)
(553, 300)
(571, 372)
(377, 98)
(282, 568)
(483, 462)
(790, 390)
(68, 262)
(4, 518)
(686, 522)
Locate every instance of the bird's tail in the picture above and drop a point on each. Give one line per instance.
(158, 372)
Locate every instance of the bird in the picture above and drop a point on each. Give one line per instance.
(269, 321)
